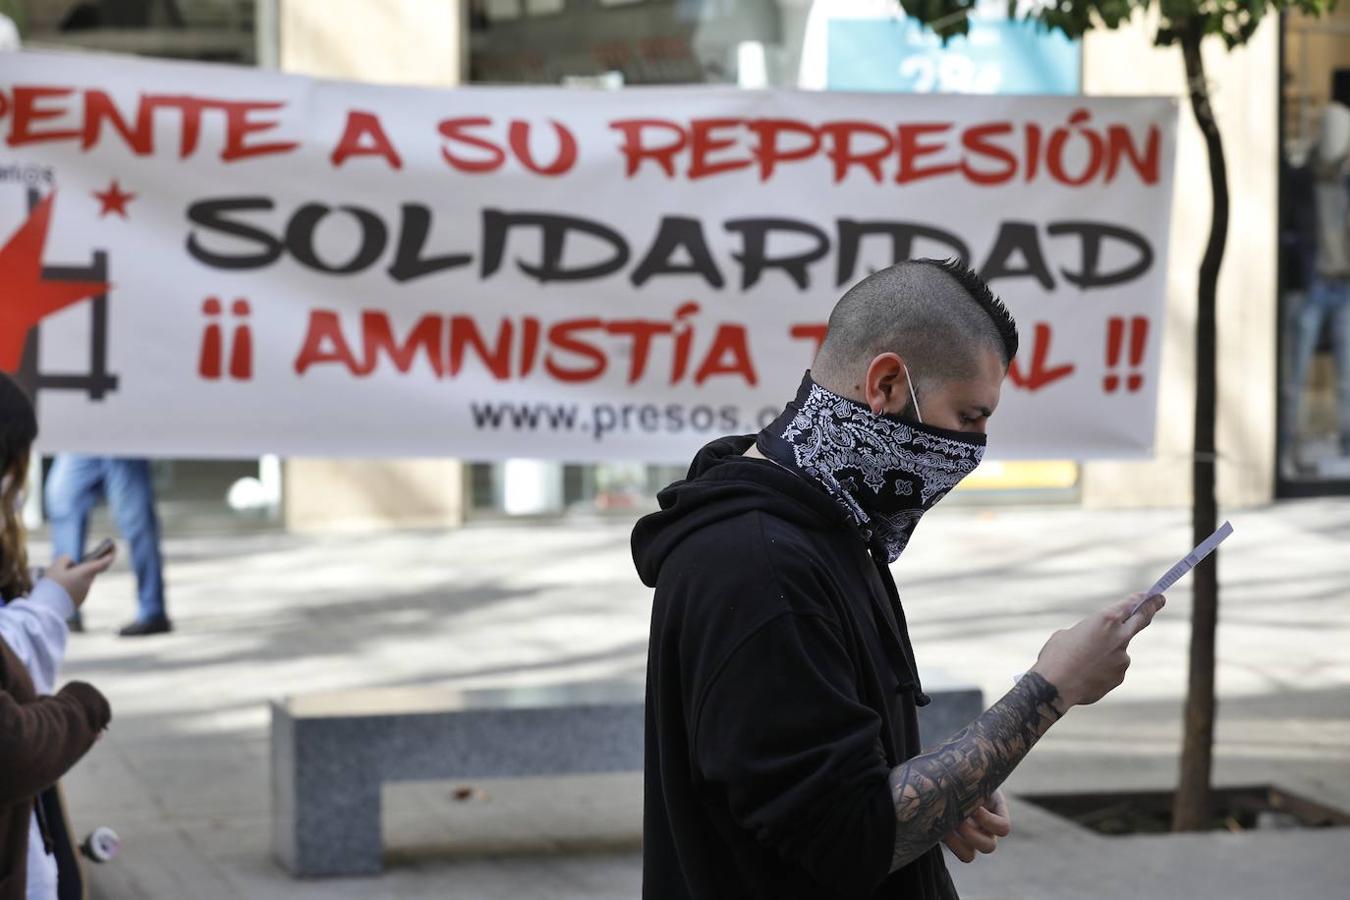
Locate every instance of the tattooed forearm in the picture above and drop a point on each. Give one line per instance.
(934, 792)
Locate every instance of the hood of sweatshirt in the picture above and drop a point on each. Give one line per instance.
(722, 483)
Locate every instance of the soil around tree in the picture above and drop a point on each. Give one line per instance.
(1233, 809)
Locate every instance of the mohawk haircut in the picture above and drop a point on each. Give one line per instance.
(936, 314)
(993, 306)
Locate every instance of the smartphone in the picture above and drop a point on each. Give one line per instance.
(105, 548)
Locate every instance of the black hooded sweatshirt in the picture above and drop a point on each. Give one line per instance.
(781, 691)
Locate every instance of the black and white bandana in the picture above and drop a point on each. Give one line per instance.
(884, 471)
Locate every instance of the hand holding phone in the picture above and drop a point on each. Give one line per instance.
(106, 547)
(77, 578)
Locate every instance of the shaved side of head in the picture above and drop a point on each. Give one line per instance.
(937, 315)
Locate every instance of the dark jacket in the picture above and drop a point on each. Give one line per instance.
(781, 691)
(41, 738)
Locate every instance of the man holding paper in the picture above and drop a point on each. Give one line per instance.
(783, 753)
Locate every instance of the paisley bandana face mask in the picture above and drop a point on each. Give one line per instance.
(883, 470)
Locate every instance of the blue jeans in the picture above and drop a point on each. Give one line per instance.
(1327, 300)
(75, 484)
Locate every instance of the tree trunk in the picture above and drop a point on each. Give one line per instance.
(1190, 809)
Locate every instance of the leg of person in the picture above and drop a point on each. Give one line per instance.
(132, 499)
(1307, 326)
(1340, 342)
(1292, 370)
(73, 486)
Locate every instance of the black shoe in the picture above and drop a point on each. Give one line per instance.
(76, 623)
(157, 625)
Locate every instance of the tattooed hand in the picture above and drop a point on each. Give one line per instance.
(979, 833)
(934, 793)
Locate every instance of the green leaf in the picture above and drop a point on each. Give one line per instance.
(946, 18)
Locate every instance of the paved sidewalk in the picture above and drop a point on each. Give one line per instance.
(182, 775)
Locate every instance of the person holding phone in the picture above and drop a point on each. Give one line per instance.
(43, 732)
(74, 484)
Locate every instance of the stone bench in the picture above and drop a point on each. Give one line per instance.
(955, 705)
(331, 752)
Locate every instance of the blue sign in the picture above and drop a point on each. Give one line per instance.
(998, 56)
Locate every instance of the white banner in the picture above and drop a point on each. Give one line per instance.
(210, 261)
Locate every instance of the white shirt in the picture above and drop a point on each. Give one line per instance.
(35, 628)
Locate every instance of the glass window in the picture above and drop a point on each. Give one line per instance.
(1314, 397)
(544, 7)
(213, 30)
(498, 10)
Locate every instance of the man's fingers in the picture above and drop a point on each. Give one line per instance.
(1140, 620)
(998, 805)
(1117, 611)
(61, 562)
(992, 823)
(959, 848)
(973, 835)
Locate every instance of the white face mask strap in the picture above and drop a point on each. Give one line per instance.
(910, 381)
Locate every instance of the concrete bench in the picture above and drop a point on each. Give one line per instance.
(331, 752)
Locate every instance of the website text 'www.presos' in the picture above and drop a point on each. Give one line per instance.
(600, 420)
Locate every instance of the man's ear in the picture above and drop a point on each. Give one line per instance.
(886, 388)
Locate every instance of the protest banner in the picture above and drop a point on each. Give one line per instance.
(212, 261)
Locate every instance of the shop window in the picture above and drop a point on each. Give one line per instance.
(1313, 449)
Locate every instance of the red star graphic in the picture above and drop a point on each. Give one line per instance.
(113, 200)
(25, 298)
